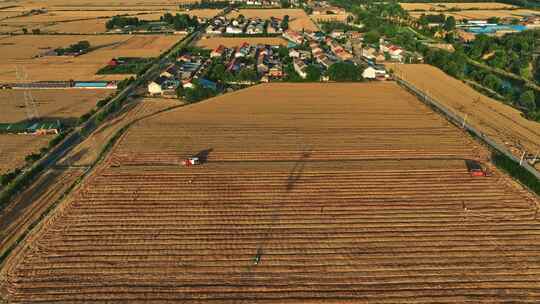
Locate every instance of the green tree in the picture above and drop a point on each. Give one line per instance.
(494, 20)
(372, 37)
(25, 30)
(313, 73)
(493, 82)
(343, 71)
(285, 22)
(450, 23)
(527, 100)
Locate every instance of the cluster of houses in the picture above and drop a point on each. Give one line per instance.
(241, 25)
(323, 50)
(261, 58)
(260, 3)
(180, 73)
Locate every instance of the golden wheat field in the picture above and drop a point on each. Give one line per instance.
(448, 5)
(309, 193)
(14, 148)
(500, 122)
(65, 104)
(20, 50)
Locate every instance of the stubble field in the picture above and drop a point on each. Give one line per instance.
(67, 105)
(14, 148)
(20, 50)
(341, 192)
(447, 5)
(498, 121)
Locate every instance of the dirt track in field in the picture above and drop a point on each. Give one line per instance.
(344, 193)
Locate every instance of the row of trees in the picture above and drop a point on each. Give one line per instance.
(122, 21)
(180, 21)
(79, 47)
(207, 4)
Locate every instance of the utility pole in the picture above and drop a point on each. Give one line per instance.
(522, 158)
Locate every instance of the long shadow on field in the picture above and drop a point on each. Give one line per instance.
(296, 173)
(203, 155)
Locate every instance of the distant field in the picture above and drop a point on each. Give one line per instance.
(13, 149)
(480, 14)
(214, 42)
(59, 104)
(298, 18)
(82, 67)
(330, 17)
(27, 47)
(101, 3)
(448, 5)
(495, 119)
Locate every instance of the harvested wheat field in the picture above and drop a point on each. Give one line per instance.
(82, 67)
(213, 42)
(14, 148)
(29, 205)
(87, 152)
(92, 26)
(27, 47)
(330, 17)
(97, 4)
(495, 119)
(298, 18)
(310, 193)
(448, 5)
(67, 105)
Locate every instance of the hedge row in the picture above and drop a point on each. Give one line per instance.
(516, 171)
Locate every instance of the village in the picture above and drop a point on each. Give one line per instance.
(248, 64)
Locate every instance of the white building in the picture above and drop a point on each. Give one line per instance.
(300, 68)
(233, 30)
(374, 73)
(156, 87)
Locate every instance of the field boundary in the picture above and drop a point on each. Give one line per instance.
(460, 121)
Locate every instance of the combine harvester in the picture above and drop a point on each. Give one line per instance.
(192, 161)
(476, 169)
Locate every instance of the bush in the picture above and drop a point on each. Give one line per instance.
(55, 141)
(516, 171)
(343, 71)
(6, 178)
(32, 157)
